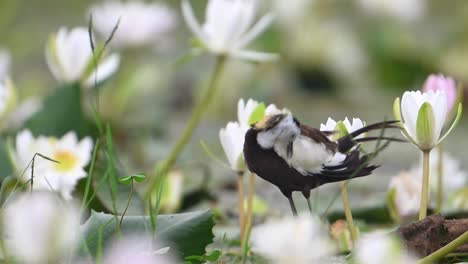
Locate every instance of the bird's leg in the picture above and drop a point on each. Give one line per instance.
(293, 207)
(309, 204)
(306, 194)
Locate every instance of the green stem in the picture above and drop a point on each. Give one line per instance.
(248, 215)
(128, 205)
(425, 186)
(445, 250)
(440, 178)
(347, 209)
(193, 122)
(240, 201)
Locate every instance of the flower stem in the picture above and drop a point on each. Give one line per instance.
(128, 205)
(425, 186)
(248, 216)
(240, 201)
(192, 123)
(440, 178)
(445, 250)
(348, 214)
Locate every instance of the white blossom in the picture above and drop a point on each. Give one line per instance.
(381, 248)
(407, 198)
(70, 58)
(297, 240)
(229, 27)
(72, 157)
(137, 249)
(140, 23)
(40, 228)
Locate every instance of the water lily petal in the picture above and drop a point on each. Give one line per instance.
(254, 55)
(256, 30)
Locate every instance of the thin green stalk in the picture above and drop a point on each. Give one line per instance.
(240, 204)
(445, 250)
(248, 215)
(193, 122)
(347, 209)
(128, 205)
(440, 178)
(425, 186)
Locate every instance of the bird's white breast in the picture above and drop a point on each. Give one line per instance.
(307, 155)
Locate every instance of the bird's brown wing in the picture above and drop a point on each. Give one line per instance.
(318, 136)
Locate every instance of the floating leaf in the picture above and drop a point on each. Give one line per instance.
(187, 234)
(61, 113)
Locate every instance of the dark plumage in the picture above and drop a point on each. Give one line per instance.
(267, 164)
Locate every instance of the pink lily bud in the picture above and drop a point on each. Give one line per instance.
(442, 83)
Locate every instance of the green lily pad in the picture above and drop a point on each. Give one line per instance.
(61, 112)
(187, 233)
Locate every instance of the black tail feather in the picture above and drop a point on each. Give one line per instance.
(349, 141)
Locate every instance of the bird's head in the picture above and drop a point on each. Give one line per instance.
(275, 128)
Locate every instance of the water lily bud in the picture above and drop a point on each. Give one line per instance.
(228, 28)
(441, 83)
(70, 58)
(404, 196)
(340, 232)
(232, 140)
(172, 196)
(423, 116)
(8, 98)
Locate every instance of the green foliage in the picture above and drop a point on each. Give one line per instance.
(211, 257)
(61, 112)
(140, 177)
(187, 234)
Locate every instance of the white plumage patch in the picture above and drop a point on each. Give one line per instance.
(286, 130)
(307, 157)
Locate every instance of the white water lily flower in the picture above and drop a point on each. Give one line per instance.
(22, 112)
(381, 248)
(331, 125)
(351, 127)
(422, 117)
(7, 96)
(232, 140)
(140, 23)
(404, 10)
(137, 249)
(273, 110)
(244, 112)
(292, 240)
(73, 156)
(229, 27)
(4, 63)
(172, 196)
(407, 194)
(40, 228)
(454, 176)
(70, 58)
